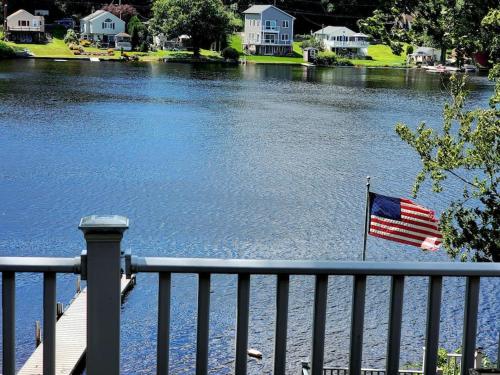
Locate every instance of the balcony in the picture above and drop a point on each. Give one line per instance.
(271, 29)
(274, 42)
(103, 262)
(39, 29)
(347, 44)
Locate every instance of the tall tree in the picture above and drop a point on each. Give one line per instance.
(205, 21)
(466, 149)
(444, 24)
(123, 11)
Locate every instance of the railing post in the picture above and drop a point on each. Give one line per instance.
(103, 235)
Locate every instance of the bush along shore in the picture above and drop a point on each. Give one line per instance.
(6, 51)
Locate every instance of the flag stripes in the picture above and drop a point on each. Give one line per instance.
(403, 221)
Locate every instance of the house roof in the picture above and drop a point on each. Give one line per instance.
(20, 11)
(338, 30)
(258, 9)
(94, 15)
(125, 35)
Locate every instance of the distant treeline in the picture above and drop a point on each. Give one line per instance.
(310, 14)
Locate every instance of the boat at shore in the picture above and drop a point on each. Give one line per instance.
(440, 69)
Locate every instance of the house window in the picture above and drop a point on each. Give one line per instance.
(284, 37)
(258, 38)
(270, 24)
(108, 24)
(23, 23)
(285, 23)
(258, 22)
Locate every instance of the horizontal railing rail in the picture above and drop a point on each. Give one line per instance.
(307, 267)
(9, 266)
(40, 264)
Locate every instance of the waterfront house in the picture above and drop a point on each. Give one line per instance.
(101, 26)
(268, 31)
(161, 41)
(24, 27)
(424, 55)
(342, 40)
(123, 42)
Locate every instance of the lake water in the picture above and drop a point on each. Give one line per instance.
(263, 162)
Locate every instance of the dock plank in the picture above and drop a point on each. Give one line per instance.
(71, 337)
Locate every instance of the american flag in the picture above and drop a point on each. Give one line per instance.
(401, 220)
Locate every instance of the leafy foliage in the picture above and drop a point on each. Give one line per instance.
(230, 53)
(6, 51)
(328, 58)
(205, 21)
(138, 32)
(70, 37)
(444, 24)
(313, 42)
(490, 27)
(467, 149)
(124, 11)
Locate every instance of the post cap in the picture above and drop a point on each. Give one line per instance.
(103, 223)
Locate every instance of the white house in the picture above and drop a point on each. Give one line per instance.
(24, 27)
(424, 55)
(101, 26)
(342, 39)
(161, 41)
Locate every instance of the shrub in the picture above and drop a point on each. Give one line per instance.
(229, 53)
(70, 37)
(331, 59)
(344, 62)
(111, 51)
(326, 58)
(85, 43)
(6, 51)
(313, 42)
(76, 52)
(144, 47)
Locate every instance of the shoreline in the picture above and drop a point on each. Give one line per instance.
(205, 61)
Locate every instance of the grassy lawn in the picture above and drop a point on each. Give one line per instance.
(236, 43)
(382, 56)
(56, 48)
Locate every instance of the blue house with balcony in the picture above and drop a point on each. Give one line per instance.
(268, 31)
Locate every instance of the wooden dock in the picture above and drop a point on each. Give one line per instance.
(71, 337)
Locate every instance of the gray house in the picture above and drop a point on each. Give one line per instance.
(268, 31)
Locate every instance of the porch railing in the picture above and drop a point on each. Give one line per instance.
(103, 262)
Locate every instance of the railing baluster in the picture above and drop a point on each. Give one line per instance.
(49, 323)
(432, 329)
(319, 320)
(162, 346)
(470, 323)
(395, 319)
(203, 324)
(9, 322)
(281, 325)
(357, 322)
(242, 324)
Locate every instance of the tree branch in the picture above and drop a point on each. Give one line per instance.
(461, 178)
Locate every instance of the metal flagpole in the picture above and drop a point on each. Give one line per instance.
(367, 214)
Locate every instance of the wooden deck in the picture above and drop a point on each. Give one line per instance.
(71, 337)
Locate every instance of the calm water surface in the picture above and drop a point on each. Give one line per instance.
(263, 162)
